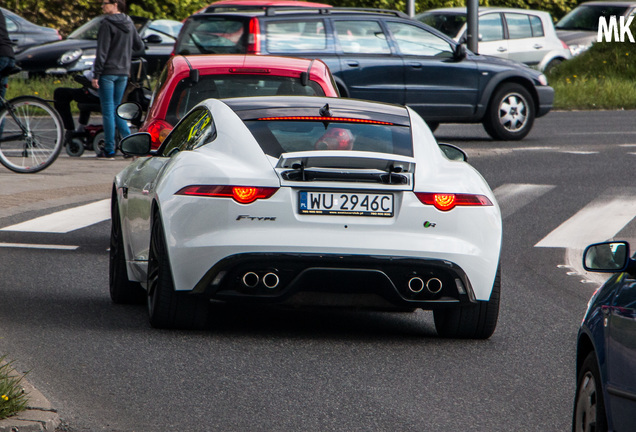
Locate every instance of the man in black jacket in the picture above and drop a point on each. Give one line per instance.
(7, 59)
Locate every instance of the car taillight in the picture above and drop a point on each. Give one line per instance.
(240, 194)
(448, 201)
(564, 45)
(158, 131)
(254, 37)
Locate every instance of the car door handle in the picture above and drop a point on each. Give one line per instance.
(353, 63)
(502, 49)
(415, 65)
(537, 46)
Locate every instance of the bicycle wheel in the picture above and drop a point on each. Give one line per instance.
(30, 134)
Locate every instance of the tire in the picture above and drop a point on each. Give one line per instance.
(75, 147)
(589, 405)
(473, 321)
(510, 114)
(122, 290)
(550, 66)
(98, 142)
(36, 144)
(166, 307)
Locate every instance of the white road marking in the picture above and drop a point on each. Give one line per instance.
(66, 220)
(37, 246)
(599, 221)
(513, 196)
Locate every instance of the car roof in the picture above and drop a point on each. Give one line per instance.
(209, 64)
(275, 10)
(607, 3)
(253, 107)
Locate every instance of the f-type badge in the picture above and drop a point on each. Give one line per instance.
(256, 218)
(428, 224)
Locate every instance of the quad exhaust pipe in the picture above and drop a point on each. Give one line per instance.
(432, 285)
(251, 280)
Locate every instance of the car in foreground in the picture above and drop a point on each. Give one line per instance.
(523, 35)
(298, 200)
(77, 52)
(24, 34)
(606, 344)
(384, 56)
(579, 28)
(187, 80)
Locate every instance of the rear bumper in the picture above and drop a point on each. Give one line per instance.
(337, 280)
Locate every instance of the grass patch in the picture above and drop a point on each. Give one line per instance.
(603, 77)
(13, 399)
(41, 87)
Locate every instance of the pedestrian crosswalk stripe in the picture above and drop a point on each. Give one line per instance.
(66, 220)
(513, 196)
(599, 221)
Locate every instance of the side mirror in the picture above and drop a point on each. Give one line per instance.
(459, 52)
(153, 39)
(129, 111)
(138, 144)
(453, 153)
(609, 257)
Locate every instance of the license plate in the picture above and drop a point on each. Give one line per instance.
(346, 204)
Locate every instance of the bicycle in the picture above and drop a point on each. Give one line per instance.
(31, 132)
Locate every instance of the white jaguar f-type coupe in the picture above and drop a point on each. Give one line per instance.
(305, 201)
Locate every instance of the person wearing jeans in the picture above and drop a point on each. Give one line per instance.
(117, 38)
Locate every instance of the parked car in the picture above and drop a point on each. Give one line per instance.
(524, 35)
(606, 345)
(385, 56)
(304, 200)
(187, 80)
(24, 33)
(77, 52)
(579, 28)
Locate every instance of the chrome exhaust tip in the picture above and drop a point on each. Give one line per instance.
(271, 280)
(250, 279)
(434, 285)
(416, 284)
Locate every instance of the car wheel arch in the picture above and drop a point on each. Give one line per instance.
(495, 83)
(583, 348)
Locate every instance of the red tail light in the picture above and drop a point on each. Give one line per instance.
(254, 37)
(448, 201)
(564, 45)
(158, 131)
(240, 194)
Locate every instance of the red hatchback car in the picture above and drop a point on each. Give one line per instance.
(188, 80)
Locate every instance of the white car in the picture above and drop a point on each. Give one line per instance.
(524, 35)
(305, 201)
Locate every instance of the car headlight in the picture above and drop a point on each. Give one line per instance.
(543, 80)
(70, 56)
(576, 49)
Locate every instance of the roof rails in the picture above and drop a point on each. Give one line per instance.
(271, 10)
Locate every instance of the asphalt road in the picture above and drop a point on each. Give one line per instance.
(105, 369)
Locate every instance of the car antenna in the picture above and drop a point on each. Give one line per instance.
(324, 111)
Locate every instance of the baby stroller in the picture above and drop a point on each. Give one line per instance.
(138, 90)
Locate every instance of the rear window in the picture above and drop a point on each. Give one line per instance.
(186, 96)
(284, 136)
(213, 35)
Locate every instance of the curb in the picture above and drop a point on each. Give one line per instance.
(39, 416)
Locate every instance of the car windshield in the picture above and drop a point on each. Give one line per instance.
(276, 136)
(89, 30)
(586, 17)
(213, 35)
(186, 96)
(449, 24)
(168, 27)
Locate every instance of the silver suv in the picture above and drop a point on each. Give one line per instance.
(527, 36)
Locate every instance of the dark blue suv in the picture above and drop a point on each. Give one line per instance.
(383, 56)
